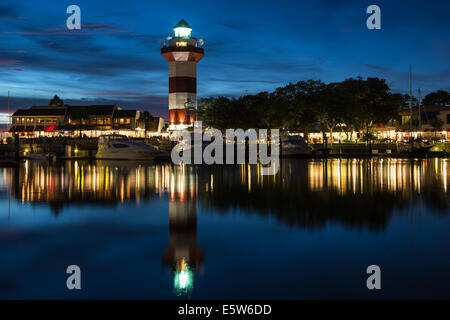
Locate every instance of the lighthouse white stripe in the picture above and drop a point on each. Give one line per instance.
(183, 69)
(177, 100)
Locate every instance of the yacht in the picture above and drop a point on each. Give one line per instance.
(295, 146)
(119, 147)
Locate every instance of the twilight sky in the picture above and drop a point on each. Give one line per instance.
(250, 46)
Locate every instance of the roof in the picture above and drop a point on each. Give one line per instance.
(153, 125)
(426, 109)
(125, 113)
(40, 112)
(48, 107)
(182, 24)
(94, 110)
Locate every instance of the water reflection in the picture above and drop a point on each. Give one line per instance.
(183, 254)
(303, 193)
(356, 193)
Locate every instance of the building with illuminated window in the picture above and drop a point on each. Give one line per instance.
(182, 52)
(90, 121)
(431, 122)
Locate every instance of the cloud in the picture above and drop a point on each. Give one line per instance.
(60, 50)
(8, 62)
(236, 26)
(377, 68)
(8, 12)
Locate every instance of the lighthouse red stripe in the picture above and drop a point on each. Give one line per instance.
(182, 84)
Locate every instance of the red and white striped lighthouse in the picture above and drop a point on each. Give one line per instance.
(182, 53)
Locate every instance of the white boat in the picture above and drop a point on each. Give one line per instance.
(119, 147)
(295, 146)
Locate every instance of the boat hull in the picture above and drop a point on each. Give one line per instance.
(296, 151)
(131, 155)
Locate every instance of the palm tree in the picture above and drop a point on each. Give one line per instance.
(78, 117)
(436, 123)
(145, 119)
(56, 102)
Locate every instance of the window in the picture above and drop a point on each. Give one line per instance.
(120, 145)
(182, 44)
(107, 121)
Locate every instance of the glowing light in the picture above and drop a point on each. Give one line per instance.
(182, 32)
(184, 279)
(182, 29)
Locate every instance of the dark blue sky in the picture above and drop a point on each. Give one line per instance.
(249, 46)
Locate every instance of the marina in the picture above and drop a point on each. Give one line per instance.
(251, 162)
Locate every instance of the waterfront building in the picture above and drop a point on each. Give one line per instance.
(90, 121)
(433, 122)
(182, 52)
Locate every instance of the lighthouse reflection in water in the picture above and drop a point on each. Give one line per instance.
(183, 254)
(160, 231)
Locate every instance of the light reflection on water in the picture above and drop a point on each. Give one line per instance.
(357, 195)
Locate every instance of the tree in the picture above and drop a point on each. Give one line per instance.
(56, 102)
(353, 104)
(436, 123)
(145, 120)
(437, 98)
(295, 105)
(372, 103)
(78, 117)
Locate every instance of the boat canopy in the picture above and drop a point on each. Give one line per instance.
(104, 138)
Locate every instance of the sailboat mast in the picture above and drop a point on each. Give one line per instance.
(419, 102)
(9, 113)
(410, 107)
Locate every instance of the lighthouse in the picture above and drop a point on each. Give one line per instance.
(182, 52)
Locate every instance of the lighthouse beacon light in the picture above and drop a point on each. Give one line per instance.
(182, 29)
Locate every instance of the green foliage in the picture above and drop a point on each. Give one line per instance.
(356, 103)
(56, 102)
(368, 137)
(436, 123)
(145, 120)
(437, 98)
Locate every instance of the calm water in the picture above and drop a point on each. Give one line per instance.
(155, 231)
